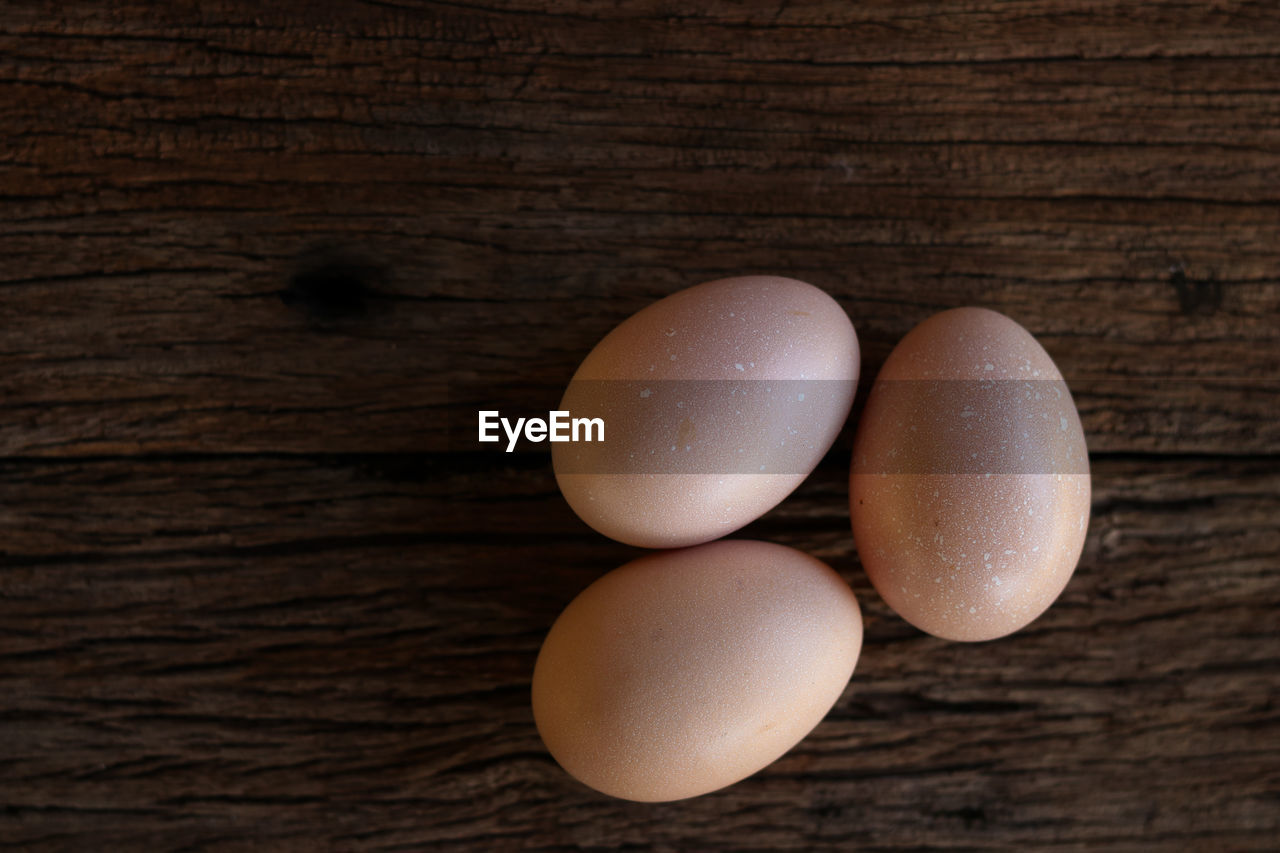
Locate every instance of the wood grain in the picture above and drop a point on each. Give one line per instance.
(260, 590)
(524, 180)
(377, 686)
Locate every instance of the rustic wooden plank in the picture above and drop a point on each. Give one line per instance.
(569, 169)
(259, 590)
(254, 688)
(127, 509)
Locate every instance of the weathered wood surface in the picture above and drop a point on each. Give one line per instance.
(258, 590)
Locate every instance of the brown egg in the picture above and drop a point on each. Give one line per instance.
(685, 671)
(717, 402)
(969, 490)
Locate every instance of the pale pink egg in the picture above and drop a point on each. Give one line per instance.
(685, 671)
(717, 402)
(970, 489)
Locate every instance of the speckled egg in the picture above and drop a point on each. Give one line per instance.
(717, 402)
(685, 671)
(970, 489)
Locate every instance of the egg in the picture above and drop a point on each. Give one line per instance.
(686, 671)
(717, 401)
(969, 488)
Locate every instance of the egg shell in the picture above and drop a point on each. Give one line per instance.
(685, 671)
(718, 401)
(970, 487)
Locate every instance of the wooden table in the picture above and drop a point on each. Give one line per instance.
(260, 589)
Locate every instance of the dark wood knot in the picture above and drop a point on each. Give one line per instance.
(330, 285)
(1195, 297)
